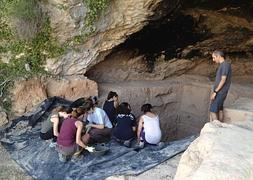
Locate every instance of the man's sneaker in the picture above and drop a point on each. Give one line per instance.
(62, 158)
(52, 144)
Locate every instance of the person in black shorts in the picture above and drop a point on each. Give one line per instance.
(221, 86)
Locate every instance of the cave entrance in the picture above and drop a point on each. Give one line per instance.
(147, 68)
(167, 36)
(129, 70)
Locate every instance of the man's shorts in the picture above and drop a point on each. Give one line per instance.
(217, 103)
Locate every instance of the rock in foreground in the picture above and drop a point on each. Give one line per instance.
(223, 151)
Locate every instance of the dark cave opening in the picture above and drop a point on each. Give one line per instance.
(168, 35)
(175, 31)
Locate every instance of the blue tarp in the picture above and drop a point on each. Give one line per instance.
(22, 141)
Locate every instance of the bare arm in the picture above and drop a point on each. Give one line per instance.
(220, 85)
(79, 126)
(98, 126)
(55, 120)
(140, 126)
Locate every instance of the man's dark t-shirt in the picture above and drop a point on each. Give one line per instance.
(223, 70)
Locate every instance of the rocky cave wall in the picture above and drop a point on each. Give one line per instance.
(154, 53)
(119, 20)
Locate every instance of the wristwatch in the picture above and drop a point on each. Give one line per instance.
(215, 91)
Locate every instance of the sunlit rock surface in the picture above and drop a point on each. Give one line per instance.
(223, 151)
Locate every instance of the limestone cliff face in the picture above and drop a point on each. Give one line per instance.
(120, 19)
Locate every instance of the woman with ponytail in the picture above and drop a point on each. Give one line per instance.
(69, 138)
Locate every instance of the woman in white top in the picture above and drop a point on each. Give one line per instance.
(149, 131)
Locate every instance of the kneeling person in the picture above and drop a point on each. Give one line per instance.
(51, 126)
(124, 130)
(99, 124)
(149, 131)
(69, 138)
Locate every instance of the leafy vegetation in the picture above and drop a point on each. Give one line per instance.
(27, 44)
(27, 10)
(25, 57)
(95, 8)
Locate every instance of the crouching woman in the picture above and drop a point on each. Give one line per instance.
(149, 131)
(69, 138)
(125, 124)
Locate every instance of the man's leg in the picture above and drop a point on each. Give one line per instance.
(213, 116)
(221, 116)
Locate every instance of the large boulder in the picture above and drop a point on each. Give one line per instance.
(223, 151)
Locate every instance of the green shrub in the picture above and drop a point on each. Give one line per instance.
(31, 53)
(95, 8)
(27, 10)
(26, 17)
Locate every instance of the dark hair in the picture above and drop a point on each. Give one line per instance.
(219, 53)
(77, 103)
(123, 108)
(111, 94)
(68, 110)
(146, 108)
(93, 99)
(87, 105)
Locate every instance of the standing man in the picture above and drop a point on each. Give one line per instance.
(221, 86)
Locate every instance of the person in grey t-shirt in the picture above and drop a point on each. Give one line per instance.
(221, 86)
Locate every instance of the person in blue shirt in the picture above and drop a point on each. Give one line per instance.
(125, 128)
